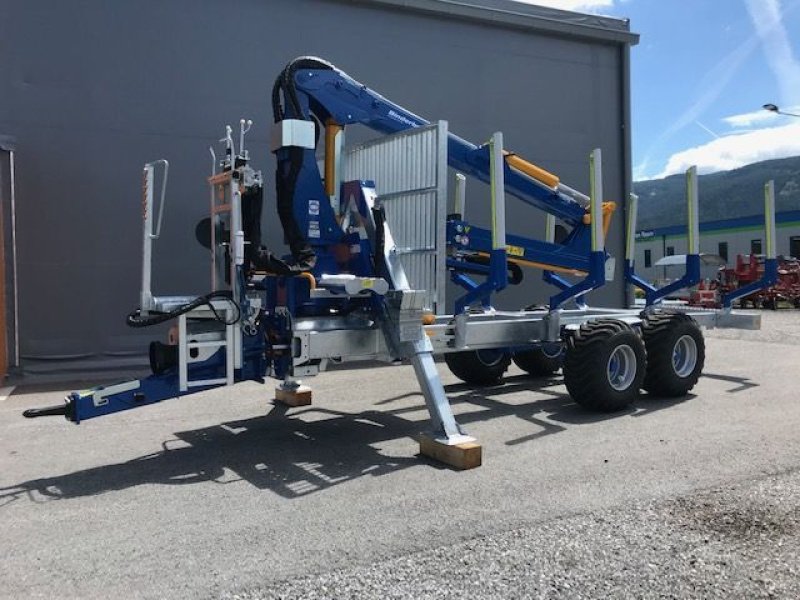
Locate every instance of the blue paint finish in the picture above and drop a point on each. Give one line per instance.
(691, 277)
(573, 254)
(312, 209)
(318, 222)
(332, 94)
(153, 389)
(559, 255)
(633, 278)
(337, 95)
(594, 279)
(156, 388)
(498, 269)
(769, 279)
(655, 295)
(562, 284)
(496, 280)
(474, 161)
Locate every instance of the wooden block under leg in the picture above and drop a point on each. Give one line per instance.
(466, 455)
(299, 396)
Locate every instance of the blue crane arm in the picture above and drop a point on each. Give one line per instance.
(330, 93)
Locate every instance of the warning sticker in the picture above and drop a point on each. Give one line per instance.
(313, 229)
(313, 207)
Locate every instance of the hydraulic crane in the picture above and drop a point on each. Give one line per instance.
(311, 94)
(345, 293)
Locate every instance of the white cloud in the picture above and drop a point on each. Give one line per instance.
(757, 117)
(736, 150)
(771, 35)
(712, 85)
(578, 5)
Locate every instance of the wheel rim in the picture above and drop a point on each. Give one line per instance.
(621, 369)
(684, 356)
(552, 350)
(490, 358)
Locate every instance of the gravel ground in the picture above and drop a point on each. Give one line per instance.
(777, 327)
(739, 541)
(225, 495)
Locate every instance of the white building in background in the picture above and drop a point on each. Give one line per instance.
(727, 238)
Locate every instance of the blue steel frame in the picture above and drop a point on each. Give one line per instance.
(331, 94)
(654, 295)
(526, 250)
(334, 94)
(770, 276)
(556, 280)
(595, 278)
(496, 279)
(565, 255)
(691, 276)
(768, 279)
(155, 388)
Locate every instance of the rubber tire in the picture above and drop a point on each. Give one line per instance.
(661, 331)
(475, 367)
(537, 363)
(586, 365)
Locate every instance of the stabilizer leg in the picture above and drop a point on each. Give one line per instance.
(446, 442)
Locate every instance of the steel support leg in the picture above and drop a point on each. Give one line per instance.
(445, 428)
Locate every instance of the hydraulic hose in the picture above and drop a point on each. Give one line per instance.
(287, 174)
(135, 318)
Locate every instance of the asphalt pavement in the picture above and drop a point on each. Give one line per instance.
(225, 495)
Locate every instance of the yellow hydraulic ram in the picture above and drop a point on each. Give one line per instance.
(552, 181)
(332, 129)
(608, 212)
(531, 170)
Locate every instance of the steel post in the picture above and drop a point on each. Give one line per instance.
(445, 428)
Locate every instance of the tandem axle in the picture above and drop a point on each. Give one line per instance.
(371, 244)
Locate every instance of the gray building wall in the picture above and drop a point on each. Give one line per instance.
(92, 89)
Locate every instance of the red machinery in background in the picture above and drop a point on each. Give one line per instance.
(750, 268)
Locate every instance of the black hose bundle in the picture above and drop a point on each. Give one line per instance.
(284, 91)
(285, 83)
(135, 319)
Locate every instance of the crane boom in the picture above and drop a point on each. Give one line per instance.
(310, 89)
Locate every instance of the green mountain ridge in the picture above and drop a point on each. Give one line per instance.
(723, 195)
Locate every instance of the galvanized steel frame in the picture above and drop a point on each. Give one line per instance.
(411, 176)
(489, 330)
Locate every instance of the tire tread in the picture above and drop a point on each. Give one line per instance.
(659, 332)
(585, 369)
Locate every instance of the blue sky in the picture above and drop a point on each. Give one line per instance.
(700, 75)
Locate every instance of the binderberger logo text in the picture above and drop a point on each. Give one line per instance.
(402, 119)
